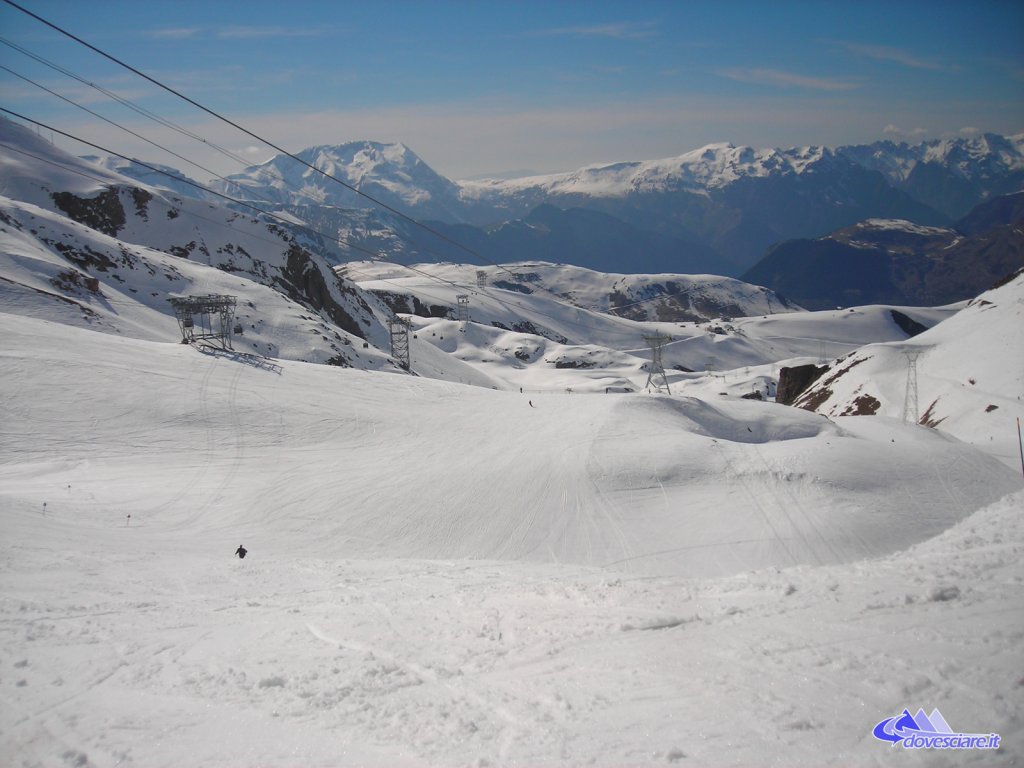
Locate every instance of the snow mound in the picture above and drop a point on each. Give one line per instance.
(328, 460)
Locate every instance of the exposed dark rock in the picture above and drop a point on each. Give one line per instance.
(865, 405)
(909, 326)
(525, 326)
(510, 286)
(84, 257)
(929, 418)
(141, 198)
(820, 391)
(574, 364)
(75, 282)
(103, 212)
(304, 283)
(407, 304)
(794, 381)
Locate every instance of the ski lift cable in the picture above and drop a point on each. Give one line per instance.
(268, 143)
(249, 133)
(151, 115)
(293, 224)
(192, 214)
(261, 139)
(129, 131)
(126, 102)
(270, 214)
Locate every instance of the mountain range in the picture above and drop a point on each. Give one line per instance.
(893, 261)
(716, 209)
(96, 249)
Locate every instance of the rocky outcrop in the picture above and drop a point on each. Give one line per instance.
(794, 381)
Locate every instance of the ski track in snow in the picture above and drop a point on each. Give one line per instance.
(597, 580)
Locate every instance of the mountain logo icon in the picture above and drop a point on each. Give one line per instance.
(924, 731)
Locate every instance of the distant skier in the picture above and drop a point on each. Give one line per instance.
(241, 552)
(531, 403)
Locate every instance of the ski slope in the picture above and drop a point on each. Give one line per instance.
(540, 342)
(442, 574)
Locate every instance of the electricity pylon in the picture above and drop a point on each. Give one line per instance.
(910, 405)
(657, 342)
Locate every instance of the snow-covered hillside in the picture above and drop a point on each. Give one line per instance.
(637, 297)
(448, 575)
(522, 334)
(163, 177)
(94, 248)
(969, 375)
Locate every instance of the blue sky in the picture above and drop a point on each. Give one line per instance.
(487, 87)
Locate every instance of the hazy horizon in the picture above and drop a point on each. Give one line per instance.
(486, 89)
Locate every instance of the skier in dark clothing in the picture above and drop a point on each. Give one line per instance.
(241, 552)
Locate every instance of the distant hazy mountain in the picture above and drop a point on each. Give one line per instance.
(950, 175)
(390, 173)
(714, 209)
(897, 262)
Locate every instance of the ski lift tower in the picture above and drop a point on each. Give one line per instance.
(911, 410)
(463, 309)
(399, 328)
(206, 319)
(657, 342)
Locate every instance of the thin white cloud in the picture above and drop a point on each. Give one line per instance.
(888, 53)
(895, 130)
(248, 33)
(175, 33)
(779, 78)
(625, 30)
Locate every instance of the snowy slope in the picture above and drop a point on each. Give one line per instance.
(588, 479)
(638, 297)
(970, 375)
(445, 575)
(91, 246)
(534, 340)
(164, 177)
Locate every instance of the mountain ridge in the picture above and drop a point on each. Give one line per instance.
(898, 262)
(723, 204)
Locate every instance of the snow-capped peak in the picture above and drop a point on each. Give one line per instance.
(391, 172)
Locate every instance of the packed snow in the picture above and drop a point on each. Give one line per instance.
(450, 575)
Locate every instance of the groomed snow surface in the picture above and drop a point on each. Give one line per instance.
(448, 575)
